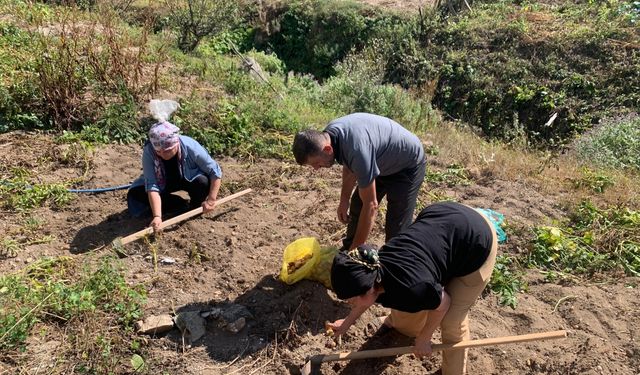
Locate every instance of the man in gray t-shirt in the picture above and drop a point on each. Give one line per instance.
(378, 156)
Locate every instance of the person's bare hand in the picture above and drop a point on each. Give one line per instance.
(422, 347)
(343, 212)
(208, 205)
(338, 327)
(156, 223)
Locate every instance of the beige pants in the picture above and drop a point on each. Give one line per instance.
(455, 325)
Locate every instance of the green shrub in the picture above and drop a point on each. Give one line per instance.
(269, 63)
(119, 122)
(595, 242)
(613, 144)
(455, 174)
(225, 41)
(358, 87)
(594, 181)
(222, 132)
(55, 290)
(196, 19)
(20, 95)
(313, 35)
(507, 280)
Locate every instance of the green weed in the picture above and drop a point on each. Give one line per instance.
(454, 175)
(594, 243)
(593, 181)
(507, 280)
(11, 247)
(57, 290)
(19, 194)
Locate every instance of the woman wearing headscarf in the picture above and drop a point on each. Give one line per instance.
(429, 275)
(173, 162)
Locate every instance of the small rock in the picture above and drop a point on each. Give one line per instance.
(236, 326)
(155, 324)
(191, 322)
(211, 314)
(167, 260)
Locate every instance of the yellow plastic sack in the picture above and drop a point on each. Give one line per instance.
(298, 259)
(322, 270)
(305, 259)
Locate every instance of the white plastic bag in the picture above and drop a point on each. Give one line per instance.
(161, 110)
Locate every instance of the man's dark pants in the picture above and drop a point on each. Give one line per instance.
(138, 200)
(401, 190)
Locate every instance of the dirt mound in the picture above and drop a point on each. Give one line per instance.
(231, 257)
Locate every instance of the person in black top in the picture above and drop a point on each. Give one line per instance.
(429, 275)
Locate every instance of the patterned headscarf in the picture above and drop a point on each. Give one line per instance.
(164, 135)
(355, 272)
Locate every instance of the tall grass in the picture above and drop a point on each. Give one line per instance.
(613, 144)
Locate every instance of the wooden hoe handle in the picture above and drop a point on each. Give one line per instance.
(179, 218)
(364, 354)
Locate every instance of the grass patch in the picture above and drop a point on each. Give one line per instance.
(613, 144)
(85, 301)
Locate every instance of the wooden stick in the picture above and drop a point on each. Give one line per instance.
(438, 347)
(174, 220)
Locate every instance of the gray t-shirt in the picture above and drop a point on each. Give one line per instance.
(371, 146)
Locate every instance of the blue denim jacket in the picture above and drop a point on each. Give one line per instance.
(194, 161)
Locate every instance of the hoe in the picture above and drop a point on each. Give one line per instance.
(312, 367)
(119, 242)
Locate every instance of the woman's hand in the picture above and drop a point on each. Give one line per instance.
(339, 327)
(208, 205)
(422, 347)
(155, 224)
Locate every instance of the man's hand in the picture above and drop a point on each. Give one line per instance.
(339, 327)
(422, 347)
(208, 205)
(343, 212)
(155, 224)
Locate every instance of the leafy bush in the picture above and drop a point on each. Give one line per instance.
(118, 123)
(20, 96)
(269, 63)
(358, 87)
(613, 144)
(455, 174)
(222, 132)
(312, 36)
(196, 19)
(593, 243)
(225, 41)
(83, 68)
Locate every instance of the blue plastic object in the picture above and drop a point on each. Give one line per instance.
(496, 219)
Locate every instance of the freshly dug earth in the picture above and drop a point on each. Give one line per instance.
(231, 257)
